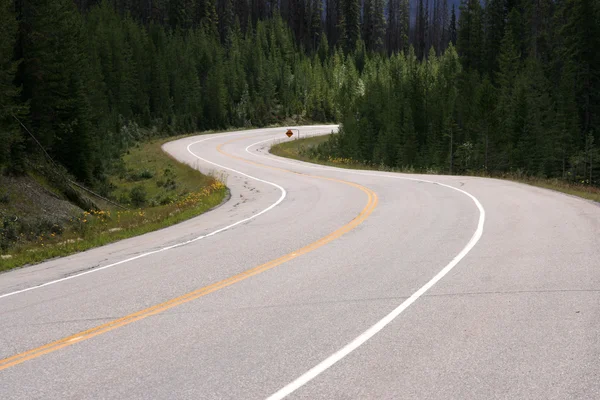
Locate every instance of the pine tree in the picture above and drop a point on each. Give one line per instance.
(351, 24)
(227, 17)
(260, 10)
(323, 49)
(392, 34)
(332, 21)
(297, 19)
(374, 25)
(397, 26)
(53, 76)
(470, 34)
(9, 130)
(506, 112)
(181, 13)
(495, 16)
(210, 18)
(420, 29)
(582, 41)
(426, 30)
(408, 151)
(314, 24)
(445, 28)
(366, 21)
(437, 26)
(452, 32)
(405, 24)
(486, 102)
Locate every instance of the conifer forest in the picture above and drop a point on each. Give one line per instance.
(469, 86)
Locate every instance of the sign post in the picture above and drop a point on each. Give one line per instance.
(289, 133)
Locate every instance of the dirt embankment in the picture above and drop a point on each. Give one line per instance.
(28, 208)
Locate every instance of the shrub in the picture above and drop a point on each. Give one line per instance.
(138, 196)
(170, 184)
(140, 175)
(124, 198)
(166, 200)
(8, 232)
(146, 174)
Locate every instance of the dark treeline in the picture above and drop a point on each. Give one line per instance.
(383, 25)
(519, 93)
(505, 85)
(90, 82)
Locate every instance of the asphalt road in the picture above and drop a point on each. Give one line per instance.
(325, 284)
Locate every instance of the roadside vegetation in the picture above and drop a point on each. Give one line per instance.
(316, 150)
(156, 190)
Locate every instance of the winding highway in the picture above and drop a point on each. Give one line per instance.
(313, 282)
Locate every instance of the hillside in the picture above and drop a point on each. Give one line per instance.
(29, 208)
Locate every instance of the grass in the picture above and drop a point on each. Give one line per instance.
(301, 150)
(574, 189)
(296, 148)
(150, 177)
(158, 191)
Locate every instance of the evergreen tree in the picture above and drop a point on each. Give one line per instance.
(582, 41)
(470, 34)
(452, 32)
(445, 27)
(486, 101)
(53, 77)
(437, 26)
(374, 25)
(392, 35)
(332, 21)
(314, 24)
(397, 27)
(420, 29)
(9, 129)
(351, 23)
(495, 17)
(181, 13)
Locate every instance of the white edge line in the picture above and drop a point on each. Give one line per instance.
(373, 330)
(281, 198)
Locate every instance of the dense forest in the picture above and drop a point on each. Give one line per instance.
(503, 85)
(519, 92)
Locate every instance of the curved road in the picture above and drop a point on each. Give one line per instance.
(316, 282)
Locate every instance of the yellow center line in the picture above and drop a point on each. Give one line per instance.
(158, 308)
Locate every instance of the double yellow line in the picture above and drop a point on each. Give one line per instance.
(156, 309)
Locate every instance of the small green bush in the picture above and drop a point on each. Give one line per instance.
(9, 232)
(170, 184)
(146, 174)
(138, 196)
(124, 198)
(140, 175)
(167, 199)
